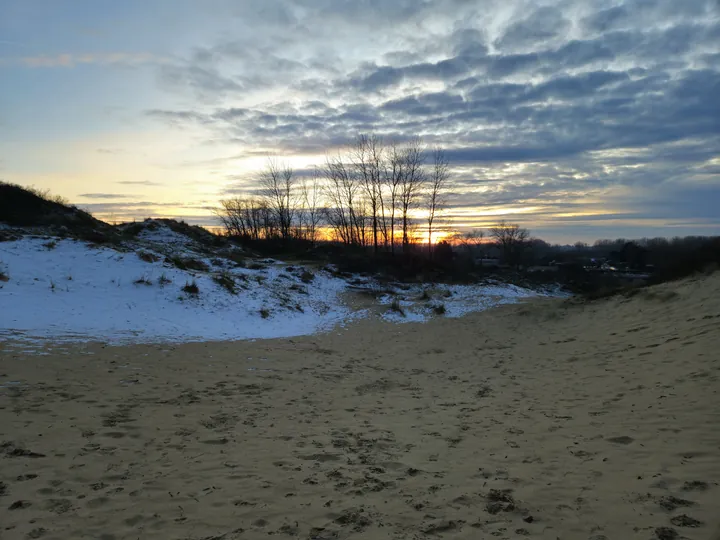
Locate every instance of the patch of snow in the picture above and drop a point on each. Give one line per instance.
(159, 233)
(419, 302)
(75, 292)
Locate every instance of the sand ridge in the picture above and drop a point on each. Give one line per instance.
(552, 419)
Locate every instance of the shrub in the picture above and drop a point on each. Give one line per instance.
(396, 307)
(164, 280)
(264, 313)
(226, 281)
(236, 257)
(52, 244)
(132, 230)
(425, 295)
(307, 276)
(188, 263)
(4, 277)
(144, 280)
(191, 288)
(439, 309)
(256, 266)
(299, 288)
(148, 257)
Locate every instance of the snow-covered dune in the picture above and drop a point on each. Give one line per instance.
(144, 291)
(66, 288)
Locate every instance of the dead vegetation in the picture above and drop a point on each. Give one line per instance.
(191, 288)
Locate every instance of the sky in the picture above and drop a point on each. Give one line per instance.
(577, 119)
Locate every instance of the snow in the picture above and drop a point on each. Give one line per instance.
(75, 292)
(418, 302)
(68, 290)
(160, 233)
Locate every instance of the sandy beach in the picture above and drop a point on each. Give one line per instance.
(550, 419)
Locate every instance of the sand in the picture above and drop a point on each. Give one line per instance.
(551, 419)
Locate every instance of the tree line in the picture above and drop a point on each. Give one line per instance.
(374, 193)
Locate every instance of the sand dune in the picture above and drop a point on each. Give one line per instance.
(552, 419)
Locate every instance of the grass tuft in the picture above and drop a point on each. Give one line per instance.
(148, 257)
(144, 280)
(264, 313)
(396, 307)
(188, 264)
(191, 288)
(226, 281)
(439, 309)
(307, 276)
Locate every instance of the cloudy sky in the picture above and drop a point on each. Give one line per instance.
(580, 119)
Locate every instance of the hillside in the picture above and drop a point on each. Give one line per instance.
(30, 208)
(166, 281)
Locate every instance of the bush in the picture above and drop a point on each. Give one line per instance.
(256, 266)
(307, 276)
(52, 244)
(396, 307)
(226, 281)
(143, 281)
(191, 288)
(188, 263)
(132, 230)
(4, 277)
(298, 288)
(148, 257)
(264, 313)
(439, 309)
(164, 280)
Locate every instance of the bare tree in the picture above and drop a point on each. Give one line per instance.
(277, 182)
(394, 171)
(246, 217)
(341, 192)
(230, 215)
(436, 190)
(311, 206)
(411, 183)
(367, 157)
(512, 241)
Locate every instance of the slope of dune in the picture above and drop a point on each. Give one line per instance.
(550, 419)
(137, 291)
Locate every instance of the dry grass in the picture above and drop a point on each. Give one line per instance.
(191, 288)
(226, 281)
(148, 257)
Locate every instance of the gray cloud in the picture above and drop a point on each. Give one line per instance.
(543, 25)
(138, 183)
(581, 99)
(105, 196)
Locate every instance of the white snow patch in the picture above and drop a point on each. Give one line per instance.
(159, 233)
(419, 302)
(75, 292)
